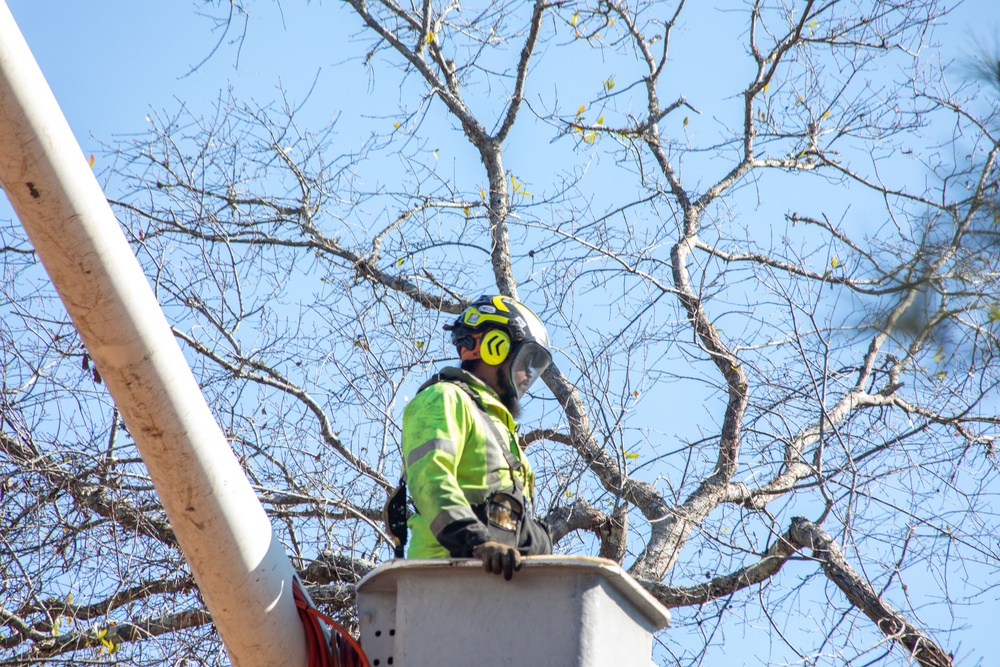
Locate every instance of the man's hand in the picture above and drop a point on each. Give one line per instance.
(498, 558)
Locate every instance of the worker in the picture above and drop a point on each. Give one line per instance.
(467, 475)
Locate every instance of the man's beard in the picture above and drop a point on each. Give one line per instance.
(508, 395)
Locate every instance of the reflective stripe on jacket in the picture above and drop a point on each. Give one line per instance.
(452, 458)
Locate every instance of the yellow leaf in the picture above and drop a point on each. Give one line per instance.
(632, 455)
(396, 126)
(583, 107)
(826, 114)
(482, 193)
(91, 161)
(941, 375)
(465, 210)
(568, 494)
(400, 261)
(101, 633)
(762, 116)
(573, 19)
(600, 120)
(686, 121)
(430, 36)
(799, 101)
(834, 262)
(609, 83)
(939, 355)
(766, 86)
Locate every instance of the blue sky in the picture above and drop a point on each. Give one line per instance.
(112, 64)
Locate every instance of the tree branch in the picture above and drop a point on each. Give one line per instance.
(806, 534)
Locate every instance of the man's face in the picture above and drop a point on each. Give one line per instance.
(523, 378)
(528, 361)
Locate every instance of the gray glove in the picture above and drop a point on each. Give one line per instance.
(498, 558)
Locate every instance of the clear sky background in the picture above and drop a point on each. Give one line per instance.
(114, 63)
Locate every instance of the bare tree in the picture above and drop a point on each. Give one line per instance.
(776, 312)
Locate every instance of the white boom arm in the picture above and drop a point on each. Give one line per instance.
(239, 565)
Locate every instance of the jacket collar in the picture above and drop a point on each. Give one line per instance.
(453, 374)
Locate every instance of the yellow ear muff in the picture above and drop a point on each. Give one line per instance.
(495, 347)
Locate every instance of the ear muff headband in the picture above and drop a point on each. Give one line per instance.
(495, 347)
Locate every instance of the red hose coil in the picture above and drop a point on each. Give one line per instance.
(342, 651)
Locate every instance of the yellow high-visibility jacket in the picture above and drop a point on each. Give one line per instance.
(454, 459)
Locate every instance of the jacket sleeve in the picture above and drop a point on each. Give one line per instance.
(435, 428)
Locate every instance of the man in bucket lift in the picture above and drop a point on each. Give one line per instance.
(467, 476)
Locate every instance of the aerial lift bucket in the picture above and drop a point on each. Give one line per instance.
(560, 611)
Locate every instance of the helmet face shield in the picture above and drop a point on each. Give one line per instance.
(528, 363)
